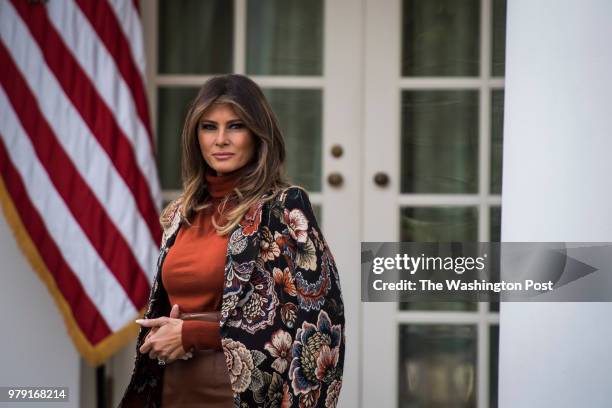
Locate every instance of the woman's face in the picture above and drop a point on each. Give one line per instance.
(225, 142)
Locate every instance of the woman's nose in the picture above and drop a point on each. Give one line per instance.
(221, 136)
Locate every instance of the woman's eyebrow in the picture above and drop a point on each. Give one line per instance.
(229, 121)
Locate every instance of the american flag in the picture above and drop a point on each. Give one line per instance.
(78, 181)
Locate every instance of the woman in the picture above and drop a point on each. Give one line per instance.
(257, 316)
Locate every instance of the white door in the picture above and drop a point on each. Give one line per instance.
(433, 97)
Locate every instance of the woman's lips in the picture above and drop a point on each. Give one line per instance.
(223, 156)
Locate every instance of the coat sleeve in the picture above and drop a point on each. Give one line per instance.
(318, 348)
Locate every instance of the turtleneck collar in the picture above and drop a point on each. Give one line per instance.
(220, 186)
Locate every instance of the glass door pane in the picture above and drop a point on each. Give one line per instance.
(497, 139)
(498, 53)
(440, 37)
(493, 365)
(172, 105)
(437, 366)
(439, 142)
(439, 224)
(195, 36)
(299, 112)
(284, 37)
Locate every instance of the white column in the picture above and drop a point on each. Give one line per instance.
(557, 187)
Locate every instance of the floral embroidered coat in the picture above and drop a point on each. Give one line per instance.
(282, 324)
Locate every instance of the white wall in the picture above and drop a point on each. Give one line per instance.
(35, 347)
(556, 187)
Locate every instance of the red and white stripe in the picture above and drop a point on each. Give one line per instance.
(76, 152)
(129, 20)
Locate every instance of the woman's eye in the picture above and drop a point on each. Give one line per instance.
(207, 126)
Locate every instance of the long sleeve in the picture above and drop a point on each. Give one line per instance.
(200, 335)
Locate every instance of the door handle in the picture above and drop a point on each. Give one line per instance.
(381, 179)
(335, 179)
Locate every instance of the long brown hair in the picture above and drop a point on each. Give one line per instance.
(264, 172)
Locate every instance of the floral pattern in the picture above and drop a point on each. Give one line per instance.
(269, 248)
(257, 309)
(239, 364)
(315, 354)
(289, 314)
(333, 392)
(284, 279)
(280, 348)
(282, 314)
(306, 256)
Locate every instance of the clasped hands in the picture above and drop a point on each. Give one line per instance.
(164, 340)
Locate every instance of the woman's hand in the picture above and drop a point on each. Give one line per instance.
(164, 341)
(150, 333)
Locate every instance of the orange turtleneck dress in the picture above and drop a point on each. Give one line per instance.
(193, 270)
